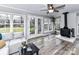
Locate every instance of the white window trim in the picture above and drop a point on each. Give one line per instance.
(50, 23)
(36, 26)
(11, 20)
(47, 24)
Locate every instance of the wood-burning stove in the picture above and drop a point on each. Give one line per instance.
(65, 31)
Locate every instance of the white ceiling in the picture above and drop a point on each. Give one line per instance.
(35, 8)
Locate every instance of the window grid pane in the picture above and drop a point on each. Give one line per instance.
(18, 24)
(32, 26)
(4, 23)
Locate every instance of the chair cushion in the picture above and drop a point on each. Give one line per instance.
(2, 43)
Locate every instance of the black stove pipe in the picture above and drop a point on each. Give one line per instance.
(65, 19)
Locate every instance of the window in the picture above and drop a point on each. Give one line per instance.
(18, 24)
(32, 26)
(39, 26)
(57, 24)
(50, 24)
(46, 22)
(4, 23)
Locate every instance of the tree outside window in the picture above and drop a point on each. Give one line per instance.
(18, 24)
(4, 23)
(32, 26)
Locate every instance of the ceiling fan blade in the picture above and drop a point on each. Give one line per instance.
(62, 6)
(56, 10)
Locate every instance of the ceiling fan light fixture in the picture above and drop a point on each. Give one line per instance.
(50, 7)
(50, 11)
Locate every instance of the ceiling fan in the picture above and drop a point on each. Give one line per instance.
(51, 8)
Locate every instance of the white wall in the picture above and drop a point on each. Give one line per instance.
(77, 25)
(62, 21)
(72, 21)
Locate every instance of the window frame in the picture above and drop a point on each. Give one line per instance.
(17, 23)
(50, 23)
(46, 22)
(5, 23)
(17, 35)
(41, 20)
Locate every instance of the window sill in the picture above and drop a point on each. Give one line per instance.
(37, 36)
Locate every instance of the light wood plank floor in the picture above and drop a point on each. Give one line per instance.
(63, 49)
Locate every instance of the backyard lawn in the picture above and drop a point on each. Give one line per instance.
(15, 29)
(18, 29)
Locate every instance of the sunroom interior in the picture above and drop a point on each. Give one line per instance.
(52, 33)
